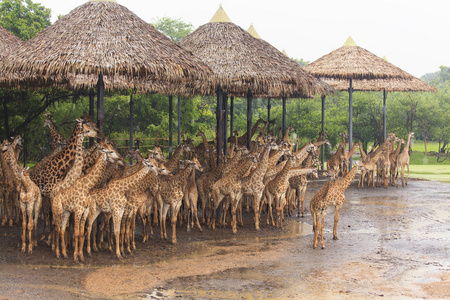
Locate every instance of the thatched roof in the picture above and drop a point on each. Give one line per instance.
(102, 36)
(240, 61)
(8, 42)
(352, 61)
(389, 84)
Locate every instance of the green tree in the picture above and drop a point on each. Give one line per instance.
(176, 29)
(23, 17)
(301, 61)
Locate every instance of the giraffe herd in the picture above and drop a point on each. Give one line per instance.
(95, 186)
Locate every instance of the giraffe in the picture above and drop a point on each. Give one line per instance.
(229, 186)
(242, 140)
(9, 190)
(206, 181)
(393, 160)
(347, 156)
(30, 198)
(275, 189)
(73, 199)
(111, 200)
(56, 138)
(157, 148)
(190, 199)
(136, 201)
(285, 138)
(56, 168)
(253, 185)
(367, 168)
(335, 163)
(172, 163)
(170, 195)
(318, 207)
(403, 160)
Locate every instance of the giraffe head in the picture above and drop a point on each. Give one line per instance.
(48, 121)
(150, 166)
(88, 129)
(200, 167)
(314, 173)
(200, 133)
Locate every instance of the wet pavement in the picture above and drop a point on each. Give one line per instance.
(393, 243)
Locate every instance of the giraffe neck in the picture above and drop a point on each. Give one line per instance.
(204, 140)
(172, 163)
(286, 135)
(55, 135)
(282, 177)
(299, 171)
(9, 158)
(183, 175)
(75, 171)
(131, 181)
(91, 179)
(397, 150)
(261, 170)
(345, 182)
(350, 153)
(406, 149)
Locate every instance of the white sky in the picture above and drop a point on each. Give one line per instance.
(412, 34)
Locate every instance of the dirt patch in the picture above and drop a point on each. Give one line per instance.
(392, 242)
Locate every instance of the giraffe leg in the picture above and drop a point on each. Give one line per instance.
(321, 226)
(37, 211)
(24, 225)
(336, 220)
(117, 217)
(30, 226)
(315, 227)
(82, 236)
(407, 176)
(76, 230)
(64, 218)
(173, 220)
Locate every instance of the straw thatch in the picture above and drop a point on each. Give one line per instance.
(241, 62)
(352, 61)
(102, 36)
(389, 84)
(8, 42)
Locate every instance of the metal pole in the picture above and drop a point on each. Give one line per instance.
(131, 122)
(249, 119)
(322, 154)
(179, 120)
(170, 124)
(91, 111)
(269, 106)
(350, 119)
(225, 124)
(384, 114)
(284, 116)
(100, 108)
(219, 116)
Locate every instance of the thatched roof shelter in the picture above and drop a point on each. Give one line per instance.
(8, 42)
(241, 62)
(352, 61)
(106, 37)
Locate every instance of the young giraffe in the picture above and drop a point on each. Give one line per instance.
(334, 196)
(111, 200)
(253, 186)
(242, 140)
(334, 163)
(56, 138)
(206, 181)
(347, 157)
(190, 200)
(9, 188)
(285, 138)
(157, 148)
(230, 185)
(393, 160)
(403, 160)
(171, 196)
(136, 200)
(30, 198)
(73, 199)
(369, 165)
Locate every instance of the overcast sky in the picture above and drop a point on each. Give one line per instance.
(413, 35)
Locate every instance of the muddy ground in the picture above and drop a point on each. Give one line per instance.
(393, 243)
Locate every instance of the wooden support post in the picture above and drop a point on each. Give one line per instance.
(100, 107)
(350, 119)
(322, 154)
(219, 116)
(249, 119)
(91, 111)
